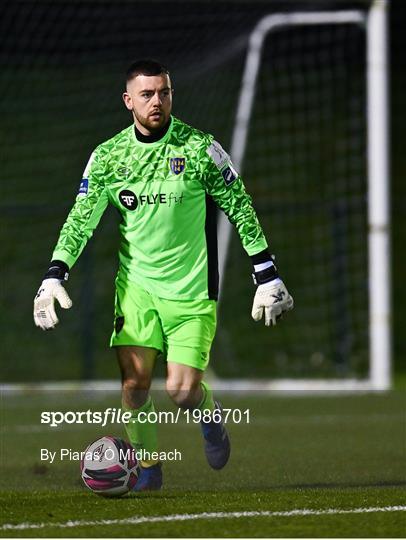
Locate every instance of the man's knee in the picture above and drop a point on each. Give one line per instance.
(135, 383)
(136, 366)
(185, 392)
(134, 392)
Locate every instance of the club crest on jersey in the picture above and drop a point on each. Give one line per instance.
(177, 164)
(128, 199)
(83, 187)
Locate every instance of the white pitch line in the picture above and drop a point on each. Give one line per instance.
(203, 515)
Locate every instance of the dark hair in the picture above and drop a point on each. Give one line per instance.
(146, 67)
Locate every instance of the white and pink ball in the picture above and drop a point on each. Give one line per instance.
(109, 467)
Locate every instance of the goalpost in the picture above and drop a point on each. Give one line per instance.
(379, 311)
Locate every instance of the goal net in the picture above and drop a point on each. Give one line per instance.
(302, 139)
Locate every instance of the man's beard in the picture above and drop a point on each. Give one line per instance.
(148, 124)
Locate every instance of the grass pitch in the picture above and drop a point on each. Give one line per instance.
(320, 466)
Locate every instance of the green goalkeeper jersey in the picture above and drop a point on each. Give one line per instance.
(167, 193)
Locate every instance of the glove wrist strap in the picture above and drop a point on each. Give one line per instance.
(264, 276)
(58, 270)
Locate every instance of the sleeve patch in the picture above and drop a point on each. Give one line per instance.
(218, 154)
(83, 187)
(229, 175)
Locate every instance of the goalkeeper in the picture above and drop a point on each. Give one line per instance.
(167, 180)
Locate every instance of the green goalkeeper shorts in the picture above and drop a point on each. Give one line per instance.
(183, 330)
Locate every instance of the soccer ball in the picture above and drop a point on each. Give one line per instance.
(109, 467)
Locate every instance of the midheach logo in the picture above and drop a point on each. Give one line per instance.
(128, 199)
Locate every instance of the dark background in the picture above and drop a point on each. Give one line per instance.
(61, 81)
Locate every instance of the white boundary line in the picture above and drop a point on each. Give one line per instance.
(204, 515)
(288, 386)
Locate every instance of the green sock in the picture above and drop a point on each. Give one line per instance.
(143, 435)
(207, 402)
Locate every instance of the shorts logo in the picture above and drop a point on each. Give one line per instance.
(128, 199)
(177, 164)
(118, 324)
(83, 187)
(229, 175)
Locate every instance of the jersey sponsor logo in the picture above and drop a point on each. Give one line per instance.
(177, 164)
(229, 175)
(128, 199)
(218, 154)
(161, 198)
(83, 187)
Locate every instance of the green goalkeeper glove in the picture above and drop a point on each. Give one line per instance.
(44, 302)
